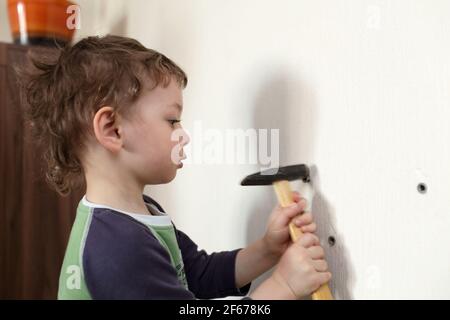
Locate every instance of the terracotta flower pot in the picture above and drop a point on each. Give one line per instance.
(40, 22)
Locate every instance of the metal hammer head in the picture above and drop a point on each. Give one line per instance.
(267, 177)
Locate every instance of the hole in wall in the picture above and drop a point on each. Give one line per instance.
(422, 188)
(331, 241)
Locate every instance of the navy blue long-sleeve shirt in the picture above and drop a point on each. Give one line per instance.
(114, 254)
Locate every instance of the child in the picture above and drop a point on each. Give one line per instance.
(105, 110)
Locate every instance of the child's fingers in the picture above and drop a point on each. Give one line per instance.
(286, 214)
(309, 228)
(316, 252)
(308, 240)
(322, 278)
(296, 196)
(304, 219)
(320, 265)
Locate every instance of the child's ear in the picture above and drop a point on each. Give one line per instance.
(107, 129)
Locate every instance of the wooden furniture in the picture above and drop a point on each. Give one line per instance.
(35, 221)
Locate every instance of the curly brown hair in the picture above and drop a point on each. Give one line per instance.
(64, 91)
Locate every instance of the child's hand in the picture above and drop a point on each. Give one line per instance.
(276, 238)
(301, 271)
(302, 268)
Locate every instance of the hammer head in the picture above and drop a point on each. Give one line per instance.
(267, 177)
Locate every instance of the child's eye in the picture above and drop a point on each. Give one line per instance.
(172, 122)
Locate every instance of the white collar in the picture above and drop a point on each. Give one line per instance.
(160, 219)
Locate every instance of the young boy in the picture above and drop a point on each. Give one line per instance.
(105, 110)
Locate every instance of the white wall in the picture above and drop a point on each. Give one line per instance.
(360, 92)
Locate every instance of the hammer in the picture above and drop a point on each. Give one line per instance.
(280, 178)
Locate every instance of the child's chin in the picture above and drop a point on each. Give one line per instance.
(163, 179)
(171, 176)
(167, 179)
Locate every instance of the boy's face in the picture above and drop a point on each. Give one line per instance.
(153, 140)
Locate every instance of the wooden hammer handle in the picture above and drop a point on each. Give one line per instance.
(284, 195)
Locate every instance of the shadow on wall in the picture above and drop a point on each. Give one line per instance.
(120, 27)
(285, 103)
(117, 15)
(337, 255)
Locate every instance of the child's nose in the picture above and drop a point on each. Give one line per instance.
(186, 138)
